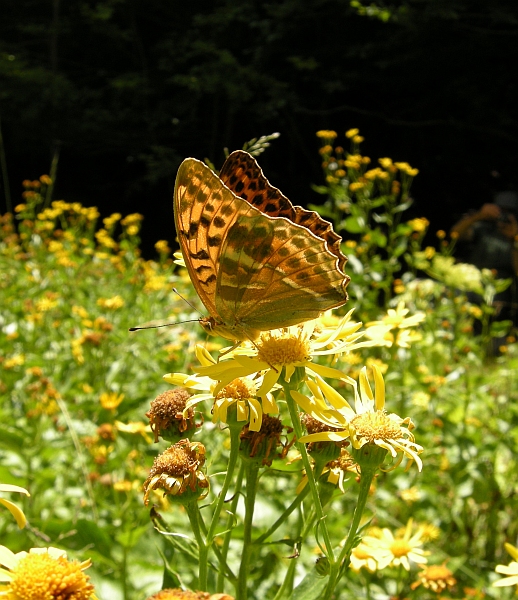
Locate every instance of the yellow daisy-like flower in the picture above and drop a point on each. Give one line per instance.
(110, 400)
(367, 424)
(397, 321)
(43, 573)
(398, 318)
(400, 550)
(350, 133)
(436, 578)
(511, 570)
(365, 556)
(241, 392)
(285, 350)
(419, 225)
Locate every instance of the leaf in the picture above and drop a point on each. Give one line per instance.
(354, 224)
(310, 588)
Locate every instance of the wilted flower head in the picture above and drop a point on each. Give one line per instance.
(261, 446)
(178, 472)
(169, 416)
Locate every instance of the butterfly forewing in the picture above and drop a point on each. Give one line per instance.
(253, 263)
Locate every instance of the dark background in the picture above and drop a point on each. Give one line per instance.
(126, 89)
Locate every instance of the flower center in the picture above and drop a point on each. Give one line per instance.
(400, 548)
(41, 576)
(239, 389)
(283, 350)
(376, 426)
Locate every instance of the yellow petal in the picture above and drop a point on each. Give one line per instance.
(15, 511)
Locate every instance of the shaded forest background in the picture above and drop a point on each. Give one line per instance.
(124, 90)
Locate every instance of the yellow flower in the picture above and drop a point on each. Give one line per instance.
(326, 134)
(286, 350)
(358, 139)
(350, 133)
(397, 318)
(46, 304)
(511, 570)
(356, 186)
(386, 163)
(364, 556)
(110, 400)
(111, 303)
(132, 219)
(44, 573)
(241, 392)
(14, 510)
(420, 225)
(400, 550)
(162, 247)
(17, 360)
(133, 229)
(436, 578)
(275, 352)
(368, 424)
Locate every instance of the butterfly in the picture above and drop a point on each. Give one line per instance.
(256, 261)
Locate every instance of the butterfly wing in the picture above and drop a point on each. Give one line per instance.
(253, 269)
(241, 174)
(274, 273)
(204, 211)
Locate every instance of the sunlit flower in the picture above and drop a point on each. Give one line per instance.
(44, 573)
(367, 424)
(397, 318)
(326, 134)
(110, 400)
(162, 247)
(17, 360)
(350, 133)
(436, 578)
(364, 556)
(241, 393)
(112, 303)
(399, 550)
(383, 330)
(285, 350)
(511, 570)
(410, 495)
(14, 510)
(420, 224)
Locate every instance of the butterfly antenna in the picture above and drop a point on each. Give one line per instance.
(187, 301)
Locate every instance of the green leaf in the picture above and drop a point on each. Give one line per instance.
(310, 588)
(354, 224)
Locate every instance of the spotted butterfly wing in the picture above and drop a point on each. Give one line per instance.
(256, 262)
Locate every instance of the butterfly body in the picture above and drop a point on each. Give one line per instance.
(257, 262)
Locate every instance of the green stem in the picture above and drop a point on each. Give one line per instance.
(232, 460)
(228, 533)
(295, 420)
(252, 476)
(297, 502)
(195, 518)
(338, 568)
